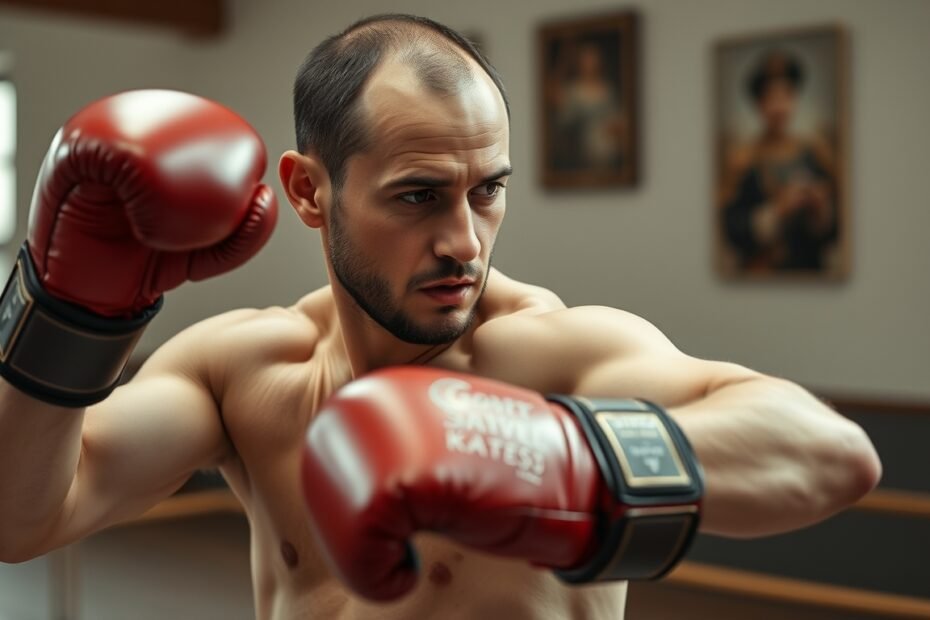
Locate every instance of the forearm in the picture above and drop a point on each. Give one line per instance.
(775, 458)
(40, 446)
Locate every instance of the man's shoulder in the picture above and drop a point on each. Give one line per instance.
(520, 303)
(547, 349)
(543, 323)
(505, 296)
(243, 338)
(259, 330)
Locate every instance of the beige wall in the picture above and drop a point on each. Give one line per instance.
(647, 250)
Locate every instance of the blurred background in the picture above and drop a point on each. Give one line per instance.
(861, 341)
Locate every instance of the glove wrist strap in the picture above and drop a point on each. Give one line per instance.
(655, 484)
(59, 352)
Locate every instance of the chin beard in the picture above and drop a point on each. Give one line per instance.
(373, 294)
(373, 297)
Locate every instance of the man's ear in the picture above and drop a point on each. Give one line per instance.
(306, 183)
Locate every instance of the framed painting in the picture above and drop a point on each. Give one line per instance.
(588, 77)
(780, 202)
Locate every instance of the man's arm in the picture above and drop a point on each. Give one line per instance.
(128, 204)
(775, 457)
(65, 473)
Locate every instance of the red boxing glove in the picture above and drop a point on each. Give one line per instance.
(138, 193)
(141, 191)
(498, 468)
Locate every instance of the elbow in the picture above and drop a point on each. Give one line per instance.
(19, 543)
(13, 554)
(16, 558)
(855, 468)
(865, 465)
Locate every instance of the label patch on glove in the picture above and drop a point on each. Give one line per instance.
(647, 455)
(489, 426)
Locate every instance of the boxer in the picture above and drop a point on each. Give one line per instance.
(491, 475)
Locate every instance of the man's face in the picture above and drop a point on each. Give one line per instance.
(411, 232)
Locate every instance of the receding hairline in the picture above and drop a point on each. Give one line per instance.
(329, 91)
(395, 30)
(440, 64)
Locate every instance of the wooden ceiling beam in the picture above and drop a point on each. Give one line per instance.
(196, 18)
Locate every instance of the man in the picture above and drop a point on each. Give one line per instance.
(402, 166)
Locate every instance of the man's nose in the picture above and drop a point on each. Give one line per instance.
(457, 238)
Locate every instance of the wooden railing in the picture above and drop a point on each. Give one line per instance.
(896, 502)
(797, 591)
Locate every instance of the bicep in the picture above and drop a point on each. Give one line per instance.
(140, 445)
(670, 379)
(598, 352)
(620, 355)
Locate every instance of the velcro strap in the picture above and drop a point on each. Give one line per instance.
(56, 351)
(652, 474)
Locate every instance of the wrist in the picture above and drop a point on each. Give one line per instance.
(59, 352)
(654, 484)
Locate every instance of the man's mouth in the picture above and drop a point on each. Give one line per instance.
(449, 292)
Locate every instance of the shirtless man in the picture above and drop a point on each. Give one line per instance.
(402, 165)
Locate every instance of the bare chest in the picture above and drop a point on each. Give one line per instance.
(266, 418)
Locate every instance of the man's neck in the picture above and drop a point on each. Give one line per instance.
(369, 346)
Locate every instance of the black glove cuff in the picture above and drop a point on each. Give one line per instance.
(56, 351)
(652, 474)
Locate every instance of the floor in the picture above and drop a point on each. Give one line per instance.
(190, 568)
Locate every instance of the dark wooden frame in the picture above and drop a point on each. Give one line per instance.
(626, 26)
(841, 79)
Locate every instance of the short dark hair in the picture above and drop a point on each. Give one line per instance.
(327, 119)
(773, 66)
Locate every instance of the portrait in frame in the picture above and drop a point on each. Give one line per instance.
(780, 202)
(588, 117)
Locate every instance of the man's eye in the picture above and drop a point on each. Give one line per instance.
(489, 189)
(417, 197)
